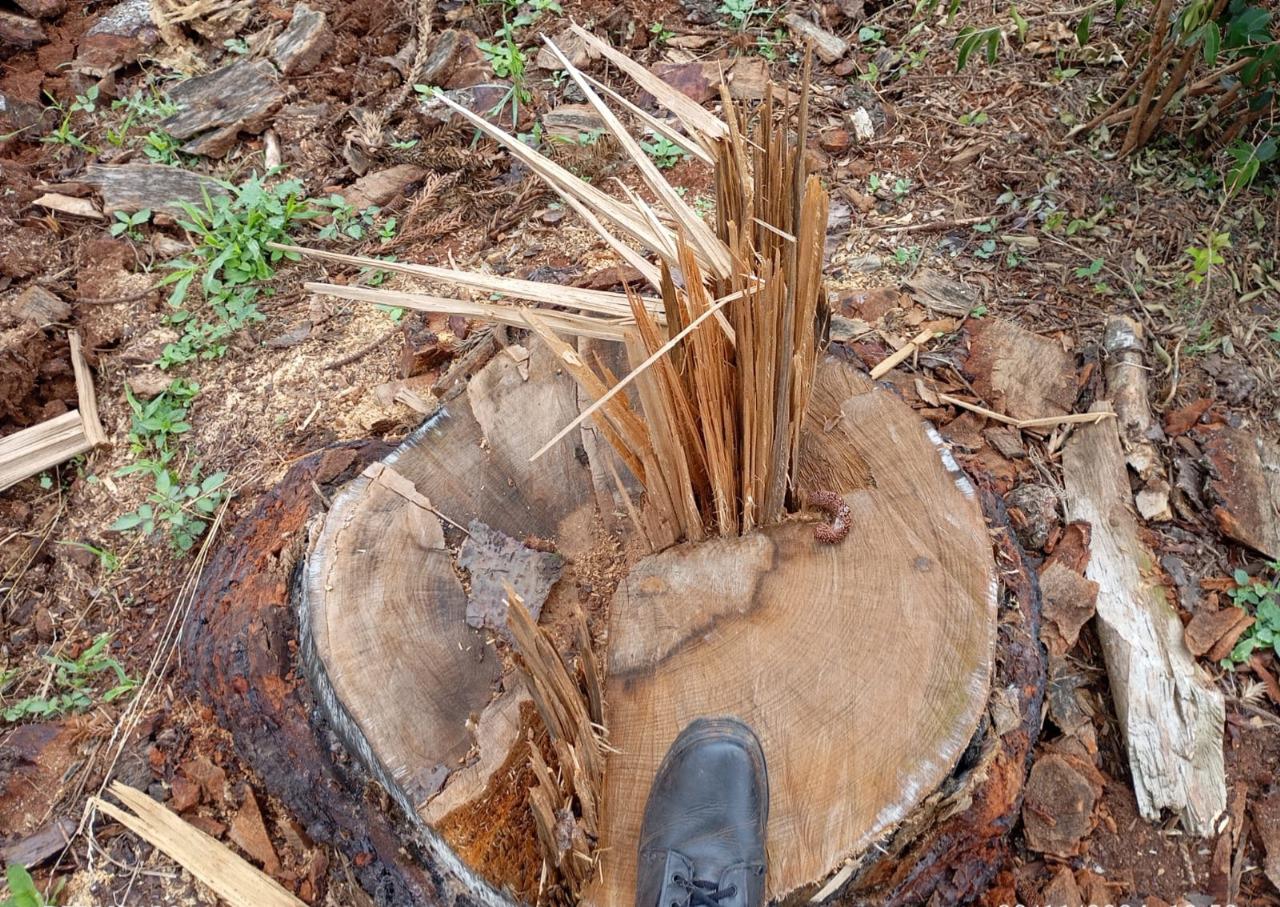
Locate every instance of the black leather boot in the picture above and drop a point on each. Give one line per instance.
(702, 843)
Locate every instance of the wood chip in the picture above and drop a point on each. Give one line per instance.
(1069, 603)
(1244, 480)
(76, 207)
(216, 107)
(827, 46)
(133, 187)
(1212, 634)
(495, 562)
(1019, 373)
(300, 46)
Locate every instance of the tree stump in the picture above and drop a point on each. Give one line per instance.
(865, 666)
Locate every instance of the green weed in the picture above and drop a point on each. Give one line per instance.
(127, 224)
(230, 258)
(1205, 258)
(1263, 599)
(181, 507)
(74, 685)
(741, 12)
(22, 889)
(665, 153)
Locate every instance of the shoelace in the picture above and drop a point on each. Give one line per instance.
(703, 893)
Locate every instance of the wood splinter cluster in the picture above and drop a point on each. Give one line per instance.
(566, 799)
(722, 358)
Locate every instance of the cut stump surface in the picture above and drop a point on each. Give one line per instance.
(863, 666)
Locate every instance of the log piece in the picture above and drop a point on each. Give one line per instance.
(1171, 714)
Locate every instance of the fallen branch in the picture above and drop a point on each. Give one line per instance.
(908, 350)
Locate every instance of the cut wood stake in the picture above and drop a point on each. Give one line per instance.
(631, 376)
(903, 354)
(212, 862)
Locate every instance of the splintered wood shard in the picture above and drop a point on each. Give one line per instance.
(717, 438)
(566, 805)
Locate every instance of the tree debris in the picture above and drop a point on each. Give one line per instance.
(300, 46)
(1171, 714)
(1018, 373)
(134, 187)
(1244, 478)
(31, 451)
(497, 562)
(219, 106)
(213, 863)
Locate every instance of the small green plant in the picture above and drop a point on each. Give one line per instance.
(85, 103)
(906, 255)
(181, 507)
(769, 46)
(741, 12)
(63, 134)
(986, 249)
(1091, 269)
(232, 233)
(237, 46)
(1263, 599)
(1246, 160)
(508, 61)
(161, 148)
(873, 183)
(22, 889)
(976, 118)
(127, 224)
(109, 561)
(972, 39)
(154, 422)
(665, 153)
(661, 34)
(901, 188)
(73, 684)
(1204, 258)
(346, 222)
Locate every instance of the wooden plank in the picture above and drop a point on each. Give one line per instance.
(33, 450)
(1171, 714)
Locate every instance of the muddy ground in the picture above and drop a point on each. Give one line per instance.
(966, 180)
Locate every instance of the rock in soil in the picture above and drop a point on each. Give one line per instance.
(43, 9)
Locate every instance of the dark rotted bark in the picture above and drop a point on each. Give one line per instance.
(955, 860)
(241, 654)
